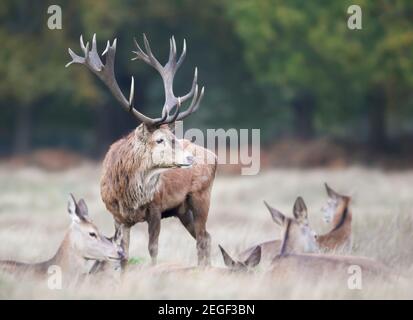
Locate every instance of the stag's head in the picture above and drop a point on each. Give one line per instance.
(334, 205)
(85, 237)
(160, 148)
(153, 134)
(297, 234)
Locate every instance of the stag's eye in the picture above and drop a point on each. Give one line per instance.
(158, 141)
(93, 235)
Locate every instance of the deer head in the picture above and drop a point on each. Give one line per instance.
(153, 133)
(252, 261)
(85, 238)
(335, 203)
(298, 236)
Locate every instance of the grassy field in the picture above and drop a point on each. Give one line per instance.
(33, 220)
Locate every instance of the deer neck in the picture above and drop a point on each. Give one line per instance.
(67, 258)
(342, 217)
(341, 230)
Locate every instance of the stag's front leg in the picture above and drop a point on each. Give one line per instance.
(124, 232)
(154, 228)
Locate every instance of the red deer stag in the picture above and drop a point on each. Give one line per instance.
(136, 184)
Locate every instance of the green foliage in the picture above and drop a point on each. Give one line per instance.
(136, 260)
(306, 45)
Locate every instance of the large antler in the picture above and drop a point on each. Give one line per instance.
(106, 73)
(167, 73)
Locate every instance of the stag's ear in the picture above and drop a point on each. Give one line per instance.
(331, 193)
(300, 210)
(276, 215)
(229, 262)
(141, 132)
(176, 125)
(254, 258)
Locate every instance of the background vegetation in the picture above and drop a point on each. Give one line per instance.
(291, 68)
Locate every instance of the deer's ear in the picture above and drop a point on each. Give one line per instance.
(229, 262)
(276, 215)
(254, 258)
(82, 207)
(82, 210)
(300, 210)
(331, 193)
(71, 208)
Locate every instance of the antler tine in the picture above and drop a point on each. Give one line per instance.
(182, 57)
(82, 45)
(154, 62)
(196, 100)
(107, 48)
(172, 52)
(132, 92)
(93, 56)
(106, 73)
(194, 84)
(171, 64)
(140, 54)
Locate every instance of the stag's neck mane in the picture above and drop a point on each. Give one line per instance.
(135, 176)
(143, 188)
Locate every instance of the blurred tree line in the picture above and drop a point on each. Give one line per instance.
(288, 67)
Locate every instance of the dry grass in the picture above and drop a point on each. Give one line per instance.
(33, 220)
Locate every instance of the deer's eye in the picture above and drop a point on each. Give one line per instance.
(160, 140)
(92, 234)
